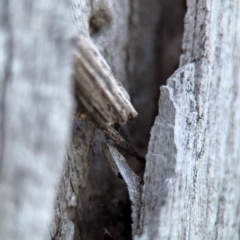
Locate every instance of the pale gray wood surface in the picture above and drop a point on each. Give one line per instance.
(192, 178)
(86, 220)
(36, 105)
(121, 169)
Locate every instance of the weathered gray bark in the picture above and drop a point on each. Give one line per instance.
(35, 109)
(87, 220)
(192, 178)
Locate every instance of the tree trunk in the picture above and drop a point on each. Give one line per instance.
(192, 177)
(36, 104)
(191, 180)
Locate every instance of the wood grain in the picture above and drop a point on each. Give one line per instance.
(192, 180)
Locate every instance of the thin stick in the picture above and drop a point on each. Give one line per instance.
(122, 143)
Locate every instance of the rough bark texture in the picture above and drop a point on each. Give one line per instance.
(73, 179)
(192, 178)
(126, 34)
(35, 109)
(101, 197)
(192, 181)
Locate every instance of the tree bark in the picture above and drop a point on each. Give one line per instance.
(36, 104)
(192, 178)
